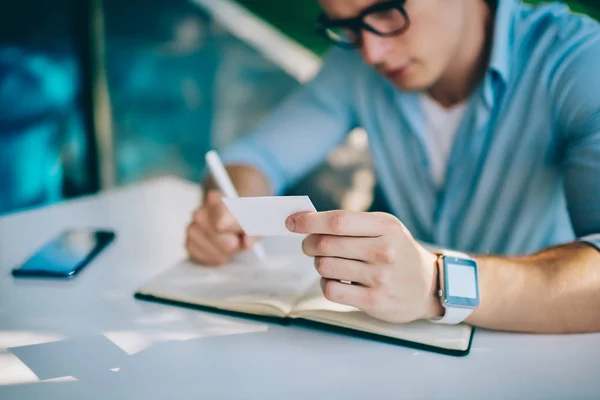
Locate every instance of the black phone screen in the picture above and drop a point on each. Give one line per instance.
(66, 254)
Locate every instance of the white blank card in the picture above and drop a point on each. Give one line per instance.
(265, 216)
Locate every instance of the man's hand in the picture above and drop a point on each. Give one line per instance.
(394, 278)
(214, 235)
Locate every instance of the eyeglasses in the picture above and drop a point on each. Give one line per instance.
(383, 19)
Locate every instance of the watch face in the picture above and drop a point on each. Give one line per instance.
(461, 282)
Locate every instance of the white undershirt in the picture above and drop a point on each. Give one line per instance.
(441, 127)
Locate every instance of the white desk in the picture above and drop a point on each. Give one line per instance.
(89, 338)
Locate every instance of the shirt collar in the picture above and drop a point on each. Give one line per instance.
(500, 61)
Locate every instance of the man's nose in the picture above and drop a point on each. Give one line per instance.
(374, 47)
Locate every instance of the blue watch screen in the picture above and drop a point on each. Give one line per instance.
(461, 282)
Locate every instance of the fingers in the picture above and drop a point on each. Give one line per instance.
(213, 197)
(214, 235)
(369, 250)
(248, 241)
(342, 223)
(221, 221)
(219, 217)
(201, 255)
(350, 295)
(206, 244)
(201, 249)
(343, 270)
(227, 243)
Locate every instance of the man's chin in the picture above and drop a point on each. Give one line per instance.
(411, 85)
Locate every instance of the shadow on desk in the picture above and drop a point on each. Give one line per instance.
(295, 363)
(274, 365)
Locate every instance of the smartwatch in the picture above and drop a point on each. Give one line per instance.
(458, 286)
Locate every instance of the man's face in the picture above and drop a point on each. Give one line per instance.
(416, 59)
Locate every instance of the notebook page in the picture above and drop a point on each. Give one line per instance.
(314, 306)
(243, 285)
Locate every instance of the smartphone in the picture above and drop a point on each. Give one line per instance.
(66, 254)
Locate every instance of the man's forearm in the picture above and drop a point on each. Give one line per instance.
(554, 291)
(247, 180)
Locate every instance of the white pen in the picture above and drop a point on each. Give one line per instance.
(224, 183)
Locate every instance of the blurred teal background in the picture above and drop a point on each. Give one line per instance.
(178, 83)
(40, 101)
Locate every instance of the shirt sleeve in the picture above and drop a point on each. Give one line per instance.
(301, 132)
(577, 90)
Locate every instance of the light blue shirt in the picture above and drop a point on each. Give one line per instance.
(524, 170)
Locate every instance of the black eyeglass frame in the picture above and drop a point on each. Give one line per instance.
(357, 24)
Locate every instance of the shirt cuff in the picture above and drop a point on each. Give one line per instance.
(592, 240)
(247, 152)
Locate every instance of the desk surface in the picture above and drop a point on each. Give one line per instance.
(89, 338)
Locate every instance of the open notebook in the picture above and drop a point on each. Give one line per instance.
(287, 286)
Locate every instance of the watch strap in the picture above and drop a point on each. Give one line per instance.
(452, 253)
(453, 316)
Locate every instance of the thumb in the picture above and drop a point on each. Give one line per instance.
(225, 222)
(248, 241)
(221, 218)
(213, 197)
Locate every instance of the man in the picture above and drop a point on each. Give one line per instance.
(484, 126)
